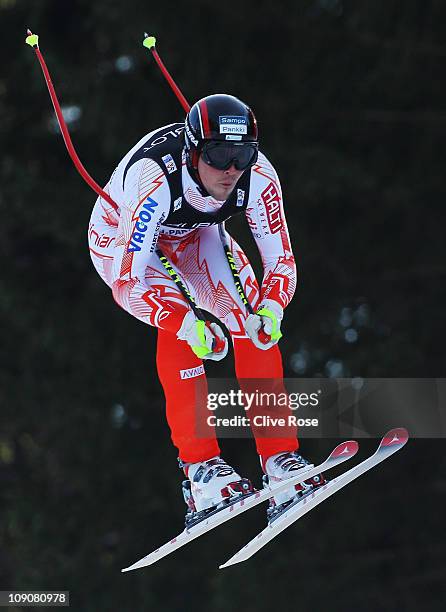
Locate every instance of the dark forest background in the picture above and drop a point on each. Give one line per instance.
(350, 98)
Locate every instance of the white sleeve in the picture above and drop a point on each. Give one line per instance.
(145, 203)
(266, 218)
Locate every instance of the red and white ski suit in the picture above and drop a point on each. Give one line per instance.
(142, 287)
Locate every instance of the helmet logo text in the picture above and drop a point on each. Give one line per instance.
(233, 124)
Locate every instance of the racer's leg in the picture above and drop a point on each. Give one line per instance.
(201, 261)
(184, 382)
(263, 371)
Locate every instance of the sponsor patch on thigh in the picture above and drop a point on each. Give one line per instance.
(192, 372)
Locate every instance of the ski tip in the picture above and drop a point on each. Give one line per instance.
(346, 449)
(227, 564)
(132, 567)
(135, 566)
(395, 437)
(241, 555)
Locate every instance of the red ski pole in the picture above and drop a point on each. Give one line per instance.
(149, 42)
(33, 41)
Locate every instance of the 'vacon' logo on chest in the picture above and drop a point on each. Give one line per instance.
(141, 226)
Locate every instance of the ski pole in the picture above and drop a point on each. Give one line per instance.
(33, 41)
(149, 42)
(218, 344)
(263, 336)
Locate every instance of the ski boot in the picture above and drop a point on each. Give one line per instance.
(285, 465)
(211, 486)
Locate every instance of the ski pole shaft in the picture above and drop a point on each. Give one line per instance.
(33, 41)
(218, 343)
(149, 42)
(263, 336)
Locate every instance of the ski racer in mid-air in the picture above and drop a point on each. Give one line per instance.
(174, 188)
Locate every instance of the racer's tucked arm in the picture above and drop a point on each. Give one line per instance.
(145, 203)
(267, 222)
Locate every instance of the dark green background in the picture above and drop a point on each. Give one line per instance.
(350, 99)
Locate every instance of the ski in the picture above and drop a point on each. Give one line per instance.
(341, 453)
(392, 442)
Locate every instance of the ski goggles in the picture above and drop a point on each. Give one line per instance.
(221, 155)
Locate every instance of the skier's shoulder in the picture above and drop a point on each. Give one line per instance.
(141, 161)
(146, 145)
(161, 135)
(263, 174)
